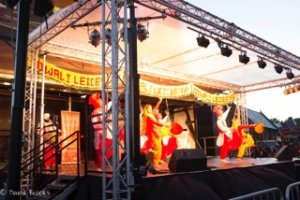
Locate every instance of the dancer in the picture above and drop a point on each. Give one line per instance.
(49, 132)
(96, 118)
(247, 140)
(151, 125)
(228, 139)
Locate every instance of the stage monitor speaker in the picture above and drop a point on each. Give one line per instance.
(284, 153)
(187, 160)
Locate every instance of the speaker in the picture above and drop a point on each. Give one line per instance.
(186, 160)
(284, 153)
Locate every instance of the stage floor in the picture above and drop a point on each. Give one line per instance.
(215, 163)
(219, 182)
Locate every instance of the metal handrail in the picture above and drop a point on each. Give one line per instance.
(292, 191)
(269, 194)
(59, 149)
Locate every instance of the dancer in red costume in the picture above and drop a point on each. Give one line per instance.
(228, 139)
(169, 139)
(49, 132)
(96, 118)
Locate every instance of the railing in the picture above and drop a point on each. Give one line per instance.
(58, 146)
(293, 191)
(267, 194)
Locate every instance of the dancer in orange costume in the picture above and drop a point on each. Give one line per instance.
(153, 142)
(228, 139)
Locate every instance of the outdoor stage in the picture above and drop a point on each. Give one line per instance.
(220, 181)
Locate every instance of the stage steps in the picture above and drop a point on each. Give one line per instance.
(59, 189)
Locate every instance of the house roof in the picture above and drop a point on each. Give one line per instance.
(259, 117)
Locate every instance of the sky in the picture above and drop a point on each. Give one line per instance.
(275, 21)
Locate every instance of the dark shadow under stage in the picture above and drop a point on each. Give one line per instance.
(220, 181)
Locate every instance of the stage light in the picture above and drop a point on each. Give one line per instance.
(108, 36)
(225, 51)
(243, 58)
(141, 32)
(278, 69)
(42, 7)
(261, 64)
(94, 38)
(290, 74)
(202, 41)
(291, 89)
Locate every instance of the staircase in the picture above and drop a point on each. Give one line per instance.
(61, 188)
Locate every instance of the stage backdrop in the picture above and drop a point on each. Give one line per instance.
(70, 122)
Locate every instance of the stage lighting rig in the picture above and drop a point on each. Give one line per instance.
(202, 41)
(225, 51)
(243, 58)
(261, 63)
(278, 68)
(291, 89)
(141, 32)
(94, 38)
(290, 74)
(42, 7)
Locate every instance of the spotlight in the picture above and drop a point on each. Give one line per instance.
(42, 7)
(278, 69)
(108, 36)
(141, 32)
(225, 51)
(94, 38)
(261, 64)
(291, 89)
(243, 58)
(289, 74)
(202, 41)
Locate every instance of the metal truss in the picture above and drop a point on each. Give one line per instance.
(115, 56)
(70, 52)
(60, 21)
(271, 84)
(199, 80)
(222, 30)
(29, 120)
(242, 108)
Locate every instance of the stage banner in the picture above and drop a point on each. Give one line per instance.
(70, 122)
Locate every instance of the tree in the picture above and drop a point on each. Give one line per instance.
(275, 120)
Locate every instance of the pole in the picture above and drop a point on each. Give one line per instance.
(16, 129)
(134, 91)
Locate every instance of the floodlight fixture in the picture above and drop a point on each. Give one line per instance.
(278, 68)
(243, 58)
(94, 38)
(42, 7)
(261, 63)
(141, 32)
(290, 74)
(225, 51)
(202, 41)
